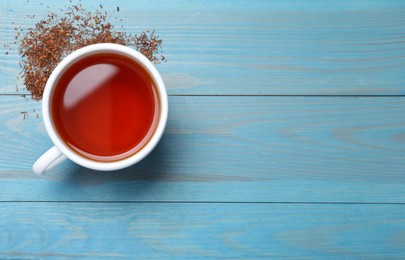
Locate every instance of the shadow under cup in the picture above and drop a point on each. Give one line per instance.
(105, 106)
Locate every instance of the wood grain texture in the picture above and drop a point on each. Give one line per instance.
(189, 231)
(344, 149)
(254, 47)
(334, 166)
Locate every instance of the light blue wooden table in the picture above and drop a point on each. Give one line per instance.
(286, 138)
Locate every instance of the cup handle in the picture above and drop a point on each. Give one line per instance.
(48, 160)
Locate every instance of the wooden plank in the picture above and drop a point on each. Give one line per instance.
(344, 149)
(255, 47)
(188, 231)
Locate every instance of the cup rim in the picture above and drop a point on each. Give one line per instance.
(161, 91)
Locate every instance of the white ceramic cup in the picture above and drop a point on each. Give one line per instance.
(61, 151)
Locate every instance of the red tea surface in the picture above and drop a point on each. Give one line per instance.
(105, 107)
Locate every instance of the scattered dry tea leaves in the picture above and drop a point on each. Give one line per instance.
(43, 46)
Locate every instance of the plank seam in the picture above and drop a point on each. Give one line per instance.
(209, 202)
(246, 95)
